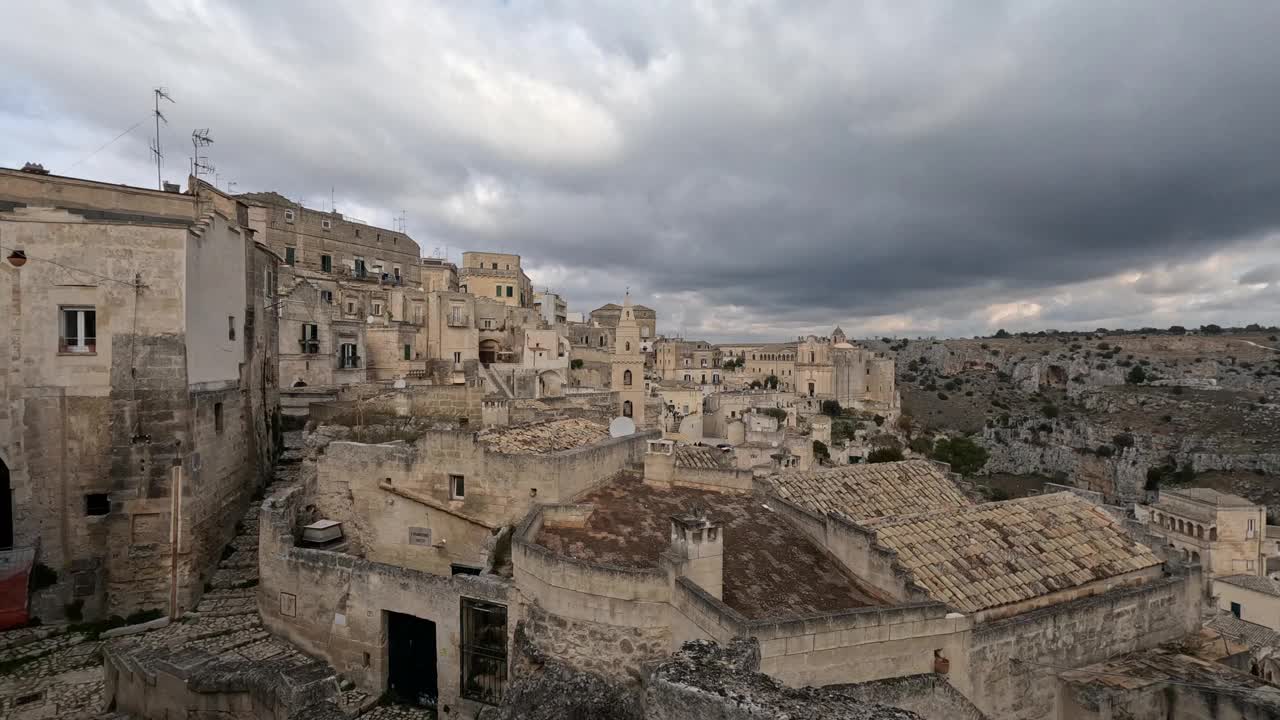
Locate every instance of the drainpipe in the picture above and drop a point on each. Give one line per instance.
(175, 535)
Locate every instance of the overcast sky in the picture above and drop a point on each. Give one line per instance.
(751, 170)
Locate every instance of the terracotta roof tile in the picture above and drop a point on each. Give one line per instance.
(874, 490)
(984, 556)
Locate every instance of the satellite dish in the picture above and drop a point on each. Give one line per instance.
(622, 427)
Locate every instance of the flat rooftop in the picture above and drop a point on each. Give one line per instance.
(543, 438)
(770, 568)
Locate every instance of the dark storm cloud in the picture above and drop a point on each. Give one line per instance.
(797, 164)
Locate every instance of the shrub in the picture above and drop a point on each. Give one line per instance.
(1136, 376)
(832, 408)
(820, 450)
(1050, 411)
(922, 445)
(1123, 440)
(776, 413)
(962, 454)
(878, 420)
(576, 364)
(1105, 451)
(884, 454)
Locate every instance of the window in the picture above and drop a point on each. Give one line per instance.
(628, 343)
(347, 357)
(457, 487)
(217, 418)
(231, 327)
(1250, 531)
(457, 358)
(377, 309)
(396, 272)
(290, 255)
(626, 409)
(288, 216)
(310, 339)
(626, 377)
(79, 330)
(326, 263)
(326, 296)
(509, 291)
(495, 266)
(351, 307)
(1235, 609)
(97, 504)
(408, 352)
(484, 651)
(456, 569)
(268, 283)
(361, 270)
(326, 225)
(497, 291)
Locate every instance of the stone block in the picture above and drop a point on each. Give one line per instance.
(799, 644)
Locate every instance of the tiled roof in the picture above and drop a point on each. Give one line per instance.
(771, 569)
(1154, 667)
(1242, 631)
(546, 437)
(872, 490)
(994, 554)
(704, 458)
(1255, 583)
(1210, 496)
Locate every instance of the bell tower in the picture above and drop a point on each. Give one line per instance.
(627, 365)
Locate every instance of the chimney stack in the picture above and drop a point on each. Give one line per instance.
(697, 547)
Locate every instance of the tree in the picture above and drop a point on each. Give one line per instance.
(1001, 333)
(820, 450)
(755, 385)
(1136, 376)
(884, 454)
(922, 445)
(771, 382)
(576, 364)
(905, 425)
(1177, 330)
(776, 413)
(1211, 329)
(832, 408)
(963, 454)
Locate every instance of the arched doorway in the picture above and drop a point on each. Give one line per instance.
(6, 507)
(489, 351)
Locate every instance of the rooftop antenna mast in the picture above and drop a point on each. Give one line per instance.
(200, 164)
(160, 94)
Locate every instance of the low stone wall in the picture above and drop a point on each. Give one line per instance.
(929, 695)
(1075, 634)
(446, 402)
(335, 606)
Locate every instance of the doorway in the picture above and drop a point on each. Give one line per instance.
(6, 508)
(411, 659)
(489, 351)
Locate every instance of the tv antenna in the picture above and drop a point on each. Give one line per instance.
(199, 163)
(160, 94)
(400, 222)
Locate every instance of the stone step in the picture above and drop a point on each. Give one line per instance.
(235, 578)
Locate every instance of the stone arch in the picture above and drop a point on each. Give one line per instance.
(1213, 534)
(626, 377)
(1200, 531)
(6, 507)
(300, 383)
(489, 351)
(1195, 557)
(550, 384)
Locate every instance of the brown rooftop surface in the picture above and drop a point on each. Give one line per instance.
(544, 437)
(703, 458)
(770, 569)
(1154, 667)
(993, 554)
(1208, 495)
(867, 491)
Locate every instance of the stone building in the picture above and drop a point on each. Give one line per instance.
(824, 368)
(627, 367)
(328, 242)
(137, 386)
(1225, 533)
(609, 315)
(687, 360)
(497, 276)
(439, 275)
(1251, 598)
(553, 308)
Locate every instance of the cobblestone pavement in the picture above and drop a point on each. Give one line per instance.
(48, 672)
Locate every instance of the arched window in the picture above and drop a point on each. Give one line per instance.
(1213, 533)
(626, 377)
(1200, 531)
(628, 346)
(626, 409)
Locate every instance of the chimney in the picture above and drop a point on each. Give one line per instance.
(659, 463)
(34, 169)
(697, 549)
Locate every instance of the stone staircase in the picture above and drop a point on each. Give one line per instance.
(495, 382)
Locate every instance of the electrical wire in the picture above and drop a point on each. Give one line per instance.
(130, 283)
(112, 140)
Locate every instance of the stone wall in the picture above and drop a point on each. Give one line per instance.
(443, 402)
(334, 606)
(1075, 634)
(618, 652)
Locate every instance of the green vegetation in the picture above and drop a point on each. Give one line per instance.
(820, 451)
(963, 454)
(576, 364)
(885, 454)
(1050, 410)
(832, 408)
(776, 413)
(1136, 376)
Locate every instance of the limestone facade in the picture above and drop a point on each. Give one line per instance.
(1225, 533)
(609, 315)
(687, 360)
(137, 386)
(497, 276)
(627, 367)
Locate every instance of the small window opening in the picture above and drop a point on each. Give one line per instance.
(97, 504)
(457, 487)
(231, 327)
(217, 418)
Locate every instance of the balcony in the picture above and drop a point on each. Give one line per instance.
(310, 347)
(457, 320)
